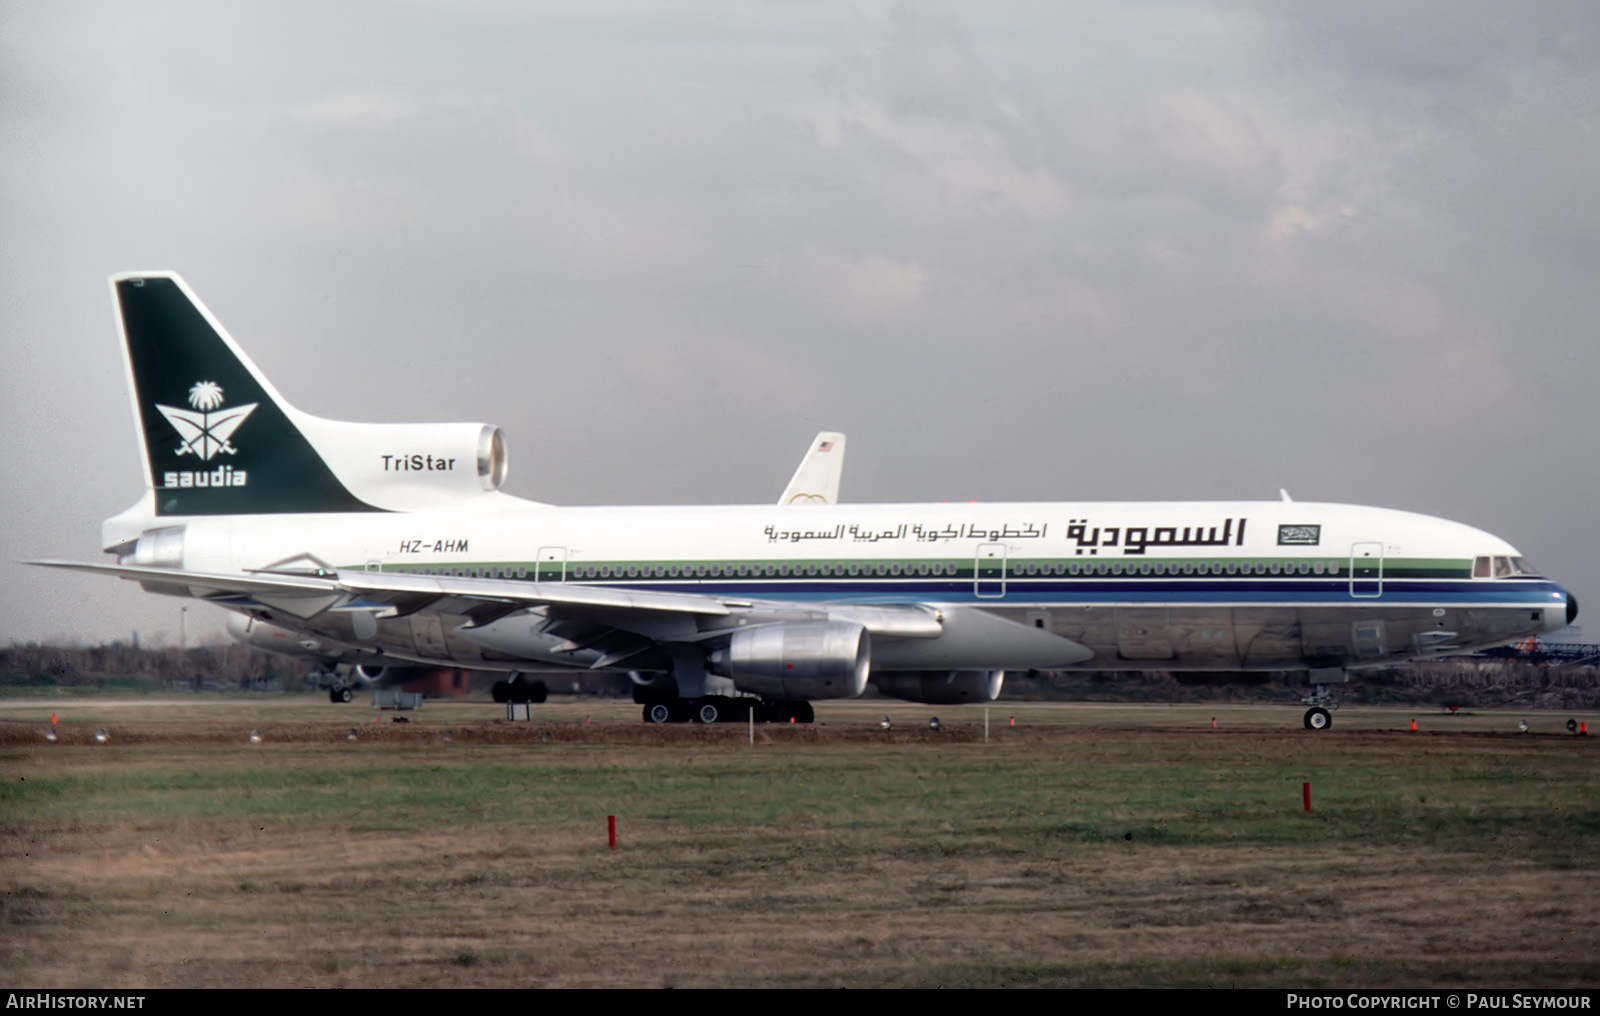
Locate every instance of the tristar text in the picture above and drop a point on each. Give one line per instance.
(416, 463)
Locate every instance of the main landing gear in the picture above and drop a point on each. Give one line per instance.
(725, 709)
(518, 690)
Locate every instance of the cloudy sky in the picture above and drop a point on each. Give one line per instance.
(1017, 251)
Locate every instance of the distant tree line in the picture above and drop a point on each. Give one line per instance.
(1460, 681)
(225, 666)
(1455, 681)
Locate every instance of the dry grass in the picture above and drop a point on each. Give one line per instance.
(824, 856)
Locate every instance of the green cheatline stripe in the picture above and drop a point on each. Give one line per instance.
(1016, 569)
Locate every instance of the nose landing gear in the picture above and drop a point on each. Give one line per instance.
(1319, 716)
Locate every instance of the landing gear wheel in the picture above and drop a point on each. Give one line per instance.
(1318, 719)
(501, 691)
(333, 695)
(708, 712)
(658, 712)
(346, 695)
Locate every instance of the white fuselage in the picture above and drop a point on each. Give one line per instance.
(1182, 585)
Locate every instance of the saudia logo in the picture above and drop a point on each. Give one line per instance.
(206, 431)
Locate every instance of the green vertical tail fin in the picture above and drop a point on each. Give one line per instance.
(217, 438)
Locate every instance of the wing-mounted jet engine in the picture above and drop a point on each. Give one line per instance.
(797, 660)
(338, 667)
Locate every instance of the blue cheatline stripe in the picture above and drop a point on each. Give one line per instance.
(1199, 592)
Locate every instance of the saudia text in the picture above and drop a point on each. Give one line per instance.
(222, 476)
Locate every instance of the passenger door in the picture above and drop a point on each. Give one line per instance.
(1366, 570)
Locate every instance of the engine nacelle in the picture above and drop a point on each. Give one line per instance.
(285, 642)
(373, 676)
(941, 687)
(799, 660)
(412, 466)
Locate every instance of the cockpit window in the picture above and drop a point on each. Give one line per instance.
(1503, 568)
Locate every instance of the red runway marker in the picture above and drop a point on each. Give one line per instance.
(1413, 726)
(611, 830)
(1306, 789)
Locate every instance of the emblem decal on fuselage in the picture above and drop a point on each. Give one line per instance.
(206, 432)
(1299, 536)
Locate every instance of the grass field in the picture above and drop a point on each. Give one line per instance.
(1087, 845)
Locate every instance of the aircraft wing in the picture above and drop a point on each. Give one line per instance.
(483, 601)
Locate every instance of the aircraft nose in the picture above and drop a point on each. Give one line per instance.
(1572, 608)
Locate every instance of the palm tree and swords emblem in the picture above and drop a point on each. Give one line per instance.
(206, 429)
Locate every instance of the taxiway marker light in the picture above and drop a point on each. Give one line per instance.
(50, 735)
(255, 737)
(101, 737)
(350, 735)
